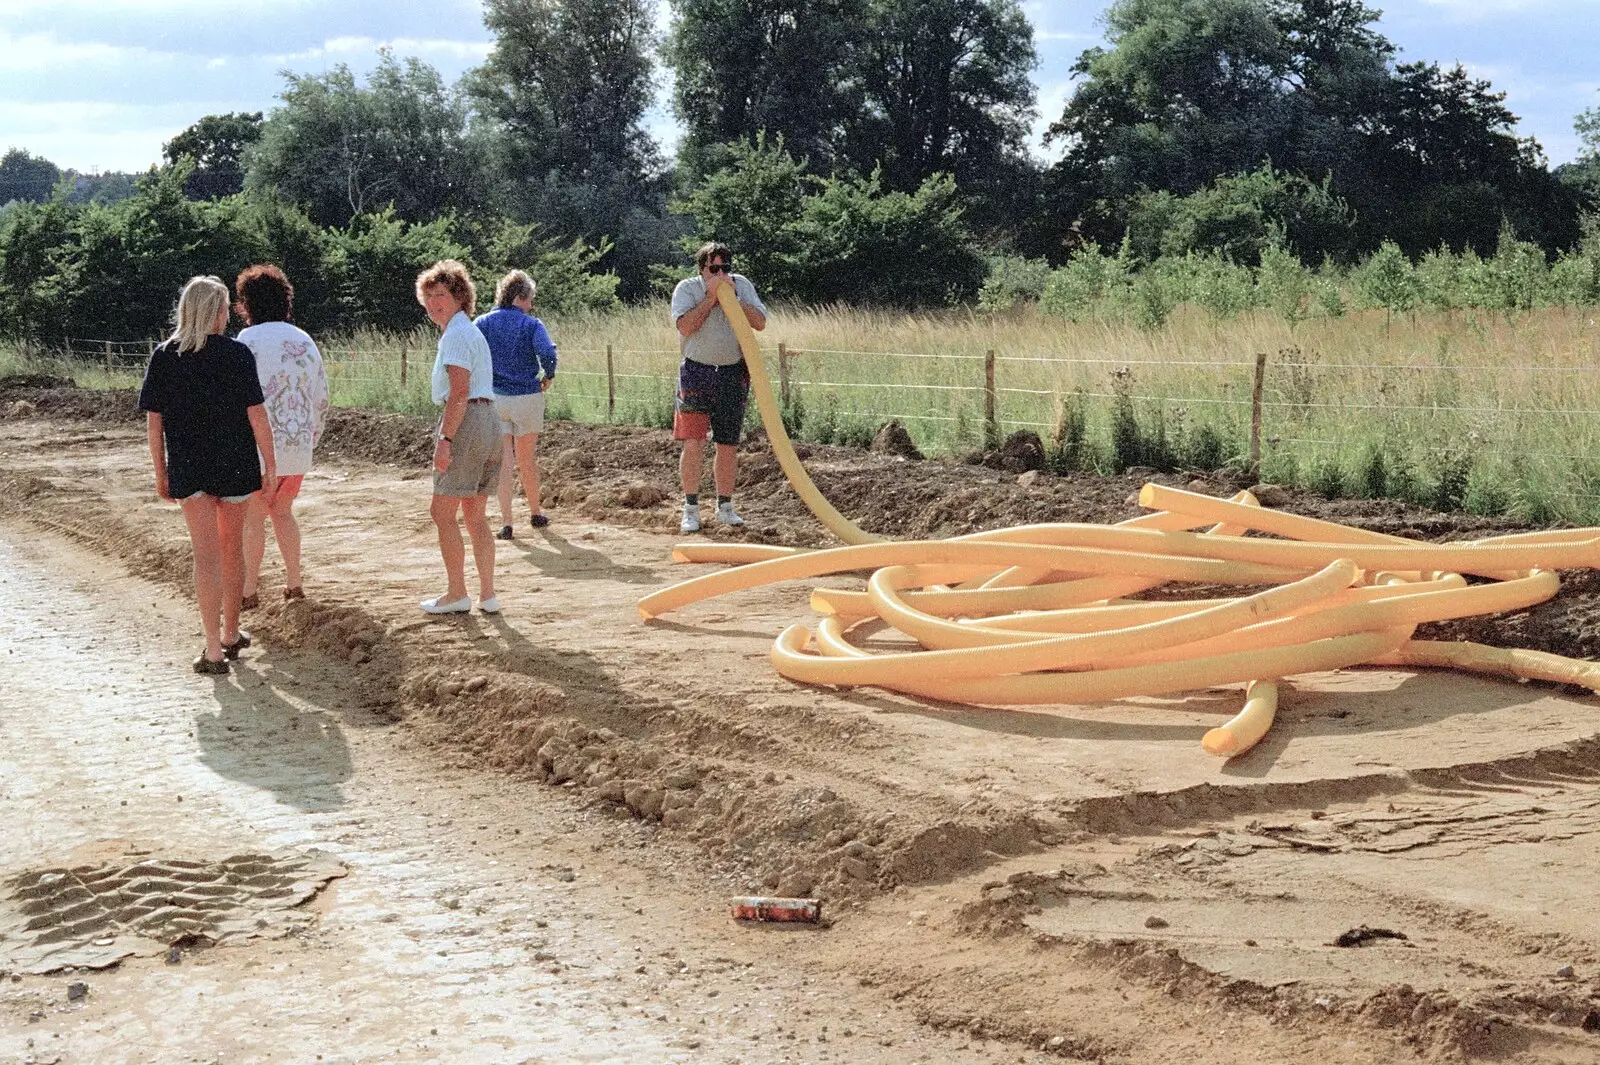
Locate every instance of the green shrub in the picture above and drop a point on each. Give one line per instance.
(1375, 475)
(1327, 479)
(1284, 284)
(1068, 450)
(1090, 278)
(1452, 472)
(1010, 280)
(1387, 280)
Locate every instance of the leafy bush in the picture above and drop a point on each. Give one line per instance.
(1089, 278)
(867, 245)
(753, 203)
(1240, 216)
(380, 257)
(1010, 280)
(1284, 283)
(566, 277)
(846, 239)
(1387, 280)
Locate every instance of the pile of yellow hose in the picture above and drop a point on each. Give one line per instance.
(1041, 614)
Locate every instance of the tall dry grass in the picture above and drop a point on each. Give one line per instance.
(1475, 410)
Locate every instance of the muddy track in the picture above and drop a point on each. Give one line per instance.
(804, 793)
(690, 768)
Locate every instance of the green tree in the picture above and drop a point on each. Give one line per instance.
(840, 238)
(305, 252)
(1582, 175)
(34, 240)
(121, 274)
(566, 277)
(27, 177)
(946, 89)
(783, 67)
(1189, 90)
(1240, 217)
(564, 92)
(1387, 280)
(379, 256)
(867, 244)
(217, 144)
(753, 204)
(340, 149)
(109, 187)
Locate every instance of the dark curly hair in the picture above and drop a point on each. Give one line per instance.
(265, 295)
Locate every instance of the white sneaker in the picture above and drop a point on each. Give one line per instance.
(726, 515)
(691, 519)
(490, 605)
(440, 605)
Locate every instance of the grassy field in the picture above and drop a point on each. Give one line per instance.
(1467, 410)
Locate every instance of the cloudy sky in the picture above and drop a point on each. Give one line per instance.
(102, 84)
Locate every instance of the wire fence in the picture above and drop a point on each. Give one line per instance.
(1288, 405)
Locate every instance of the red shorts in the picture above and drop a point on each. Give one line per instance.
(289, 487)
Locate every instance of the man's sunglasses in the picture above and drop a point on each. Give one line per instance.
(721, 268)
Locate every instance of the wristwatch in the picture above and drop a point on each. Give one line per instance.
(444, 438)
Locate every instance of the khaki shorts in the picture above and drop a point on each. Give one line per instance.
(474, 455)
(520, 415)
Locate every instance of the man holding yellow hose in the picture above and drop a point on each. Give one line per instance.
(713, 381)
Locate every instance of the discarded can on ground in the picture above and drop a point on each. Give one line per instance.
(768, 908)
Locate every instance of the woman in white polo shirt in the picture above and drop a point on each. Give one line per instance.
(466, 450)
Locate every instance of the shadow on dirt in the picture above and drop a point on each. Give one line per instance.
(555, 556)
(260, 738)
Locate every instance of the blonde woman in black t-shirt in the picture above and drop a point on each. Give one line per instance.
(211, 447)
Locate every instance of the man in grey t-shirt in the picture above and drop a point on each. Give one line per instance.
(713, 381)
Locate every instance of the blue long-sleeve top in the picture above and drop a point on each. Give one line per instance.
(521, 349)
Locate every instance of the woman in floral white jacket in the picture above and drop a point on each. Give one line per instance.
(295, 385)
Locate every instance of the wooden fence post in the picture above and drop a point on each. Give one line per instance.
(108, 358)
(611, 387)
(1255, 414)
(403, 345)
(783, 372)
(991, 425)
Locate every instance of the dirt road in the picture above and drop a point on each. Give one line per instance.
(1081, 882)
(479, 920)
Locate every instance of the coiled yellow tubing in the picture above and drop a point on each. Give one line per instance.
(1038, 614)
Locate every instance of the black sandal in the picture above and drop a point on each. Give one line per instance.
(204, 665)
(231, 650)
(293, 593)
(249, 602)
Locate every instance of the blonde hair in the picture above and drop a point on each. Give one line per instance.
(514, 286)
(201, 301)
(452, 277)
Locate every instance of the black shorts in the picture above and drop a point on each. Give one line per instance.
(711, 399)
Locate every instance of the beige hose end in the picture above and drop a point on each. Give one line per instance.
(1246, 729)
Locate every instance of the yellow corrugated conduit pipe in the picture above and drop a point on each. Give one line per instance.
(1038, 614)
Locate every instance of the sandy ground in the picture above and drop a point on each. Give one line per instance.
(1081, 881)
(481, 919)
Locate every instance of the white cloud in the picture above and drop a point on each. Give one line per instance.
(62, 7)
(47, 52)
(333, 47)
(1477, 9)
